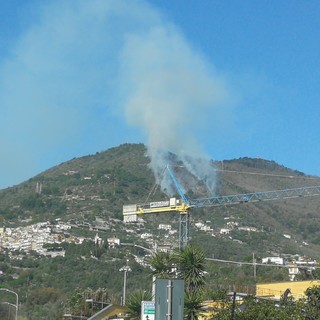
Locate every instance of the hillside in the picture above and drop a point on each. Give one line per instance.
(89, 192)
(100, 184)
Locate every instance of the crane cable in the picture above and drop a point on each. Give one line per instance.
(155, 187)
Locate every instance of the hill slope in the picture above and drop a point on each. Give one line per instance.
(100, 184)
(88, 193)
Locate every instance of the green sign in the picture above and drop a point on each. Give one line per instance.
(147, 310)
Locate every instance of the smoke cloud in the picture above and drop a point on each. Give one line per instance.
(82, 69)
(174, 95)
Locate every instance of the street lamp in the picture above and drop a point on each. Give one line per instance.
(152, 252)
(125, 269)
(17, 300)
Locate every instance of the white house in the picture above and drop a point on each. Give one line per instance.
(164, 227)
(113, 242)
(275, 260)
(224, 231)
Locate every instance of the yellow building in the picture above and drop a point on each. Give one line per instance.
(108, 313)
(277, 289)
(210, 308)
(273, 291)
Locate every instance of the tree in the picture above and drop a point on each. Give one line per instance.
(312, 308)
(260, 309)
(193, 305)
(190, 264)
(162, 265)
(77, 302)
(187, 264)
(133, 304)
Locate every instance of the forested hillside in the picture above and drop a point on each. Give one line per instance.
(88, 193)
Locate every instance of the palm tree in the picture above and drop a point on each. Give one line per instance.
(190, 263)
(133, 304)
(187, 264)
(162, 265)
(193, 306)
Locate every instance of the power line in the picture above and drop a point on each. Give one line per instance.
(240, 263)
(269, 174)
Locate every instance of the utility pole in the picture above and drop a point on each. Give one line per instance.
(233, 305)
(169, 300)
(254, 267)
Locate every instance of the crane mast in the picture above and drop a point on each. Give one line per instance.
(184, 205)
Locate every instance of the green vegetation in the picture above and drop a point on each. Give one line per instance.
(260, 309)
(187, 264)
(134, 303)
(85, 302)
(85, 190)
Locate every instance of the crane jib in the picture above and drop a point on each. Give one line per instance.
(183, 206)
(256, 196)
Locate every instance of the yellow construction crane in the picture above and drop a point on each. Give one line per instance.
(184, 205)
(131, 213)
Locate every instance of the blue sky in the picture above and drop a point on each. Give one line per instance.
(224, 79)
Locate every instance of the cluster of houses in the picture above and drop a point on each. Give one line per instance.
(34, 237)
(294, 263)
(229, 226)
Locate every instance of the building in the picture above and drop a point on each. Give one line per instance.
(275, 260)
(224, 231)
(113, 242)
(275, 290)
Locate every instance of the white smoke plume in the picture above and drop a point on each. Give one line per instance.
(79, 69)
(174, 95)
